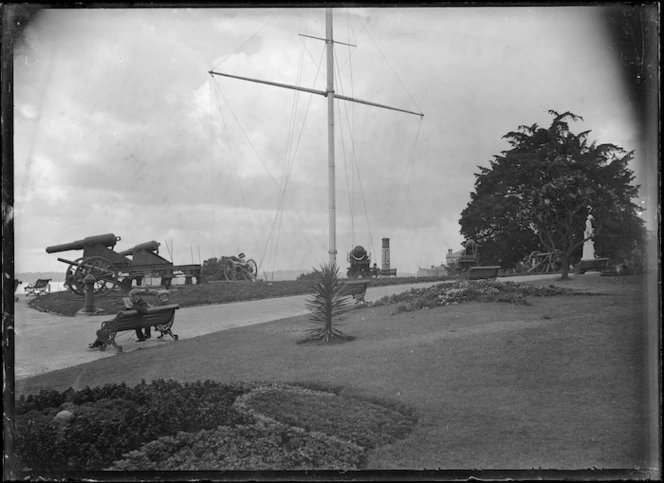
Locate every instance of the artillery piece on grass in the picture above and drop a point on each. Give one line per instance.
(146, 260)
(112, 269)
(543, 262)
(237, 268)
(359, 263)
(98, 260)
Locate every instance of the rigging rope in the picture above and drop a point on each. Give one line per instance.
(247, 41)
(389, 65)
(260, 159)
(237, 175)
(357, 168)
(293, 147)
(288, 167)
(410, 164)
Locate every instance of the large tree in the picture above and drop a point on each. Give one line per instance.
(538, 195)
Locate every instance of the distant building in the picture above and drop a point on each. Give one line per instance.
(453, 257)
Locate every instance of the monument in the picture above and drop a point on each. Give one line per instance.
(588, 259)
(588, 244)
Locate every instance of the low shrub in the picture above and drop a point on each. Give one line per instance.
(110, 420)
(359, 422)
(265, 445)
(464, 291)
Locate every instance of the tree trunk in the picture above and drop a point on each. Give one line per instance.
(564, 266)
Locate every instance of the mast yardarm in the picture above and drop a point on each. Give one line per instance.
(331, 95)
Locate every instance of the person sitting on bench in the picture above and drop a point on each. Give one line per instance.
(140, 306)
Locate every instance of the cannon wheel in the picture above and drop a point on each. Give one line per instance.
(229, 270)
(70, 282)
(104, 272)
(251, 268)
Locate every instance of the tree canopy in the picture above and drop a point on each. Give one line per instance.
(538, 194)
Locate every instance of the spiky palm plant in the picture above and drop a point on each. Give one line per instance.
(325, 303)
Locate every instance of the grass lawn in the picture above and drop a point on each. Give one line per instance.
(560, 383)
(67, 303)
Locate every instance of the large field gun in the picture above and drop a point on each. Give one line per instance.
(146, 260)
(111, 269)
(98, 260)
(237, 268)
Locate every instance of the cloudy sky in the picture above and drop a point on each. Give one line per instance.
(119, 127)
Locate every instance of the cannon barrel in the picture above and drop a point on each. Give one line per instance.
(358, 252)
(151, 246)
(107, 240)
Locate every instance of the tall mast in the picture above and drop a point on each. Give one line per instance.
(330, 138)
(330, 94)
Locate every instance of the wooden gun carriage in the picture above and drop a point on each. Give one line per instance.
(110, 268)
(237, 269)
(146, 259)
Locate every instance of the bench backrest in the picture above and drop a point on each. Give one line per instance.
(132, 319)
(476, 273)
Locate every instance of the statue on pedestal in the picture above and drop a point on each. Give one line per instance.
(588, 244)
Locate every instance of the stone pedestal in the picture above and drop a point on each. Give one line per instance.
(596, 264)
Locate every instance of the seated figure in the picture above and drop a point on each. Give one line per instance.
(141, 306)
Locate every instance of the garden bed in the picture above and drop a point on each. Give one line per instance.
(204, 426)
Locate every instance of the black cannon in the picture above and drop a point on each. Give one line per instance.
(146, 260)
(142, 250)
(98, 260)
(239, 268)
(359, 263)
(112, 269)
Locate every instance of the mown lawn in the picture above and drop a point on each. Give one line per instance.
(561, 383)
(67, 303)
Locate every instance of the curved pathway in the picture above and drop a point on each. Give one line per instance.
(45, 342)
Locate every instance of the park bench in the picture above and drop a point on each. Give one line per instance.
(355, 288)
(479, 273)
(387, 272)
(38, 288)
(161, 318)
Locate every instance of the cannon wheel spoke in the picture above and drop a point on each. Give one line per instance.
(70, 281)
(229, 270)
(252, 268)
(104, 272)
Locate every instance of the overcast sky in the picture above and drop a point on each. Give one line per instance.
(120, 129)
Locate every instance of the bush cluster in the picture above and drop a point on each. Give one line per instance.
(463, 291)
(360, 422)
(111, 420)
(265, 445)
(201, 426)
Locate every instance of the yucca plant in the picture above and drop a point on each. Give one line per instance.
(326, 302)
